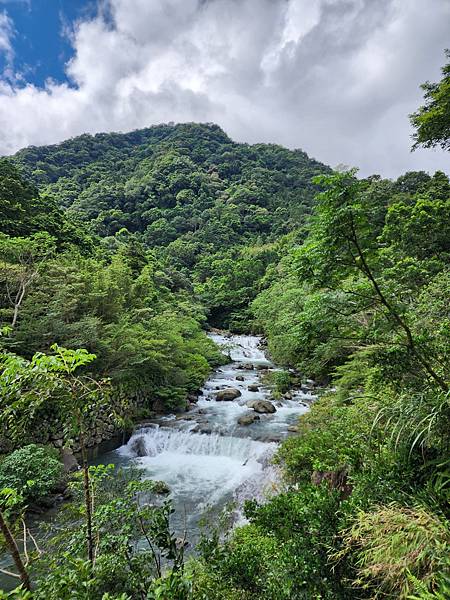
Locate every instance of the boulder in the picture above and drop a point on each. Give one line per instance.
(228, 394)
(160, 487)
(251, 403)
(253, 387)
(69, 461)
(288, 396)
(293, 428)
(264, 406)
(239, 378)
(262, 367)
(248, 419)
(138, 446)
(247, 366)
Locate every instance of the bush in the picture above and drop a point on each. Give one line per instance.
(394, 548)
(33, 471)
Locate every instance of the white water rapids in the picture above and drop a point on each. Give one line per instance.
(207, 458)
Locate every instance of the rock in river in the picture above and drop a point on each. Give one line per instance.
(264, 406)
(228, 394)
(253, 387)
(248, 419)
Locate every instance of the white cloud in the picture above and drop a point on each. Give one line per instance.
(336, 78)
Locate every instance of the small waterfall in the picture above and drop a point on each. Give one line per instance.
(153, 441)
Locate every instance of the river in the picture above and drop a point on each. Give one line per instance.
(207, 459)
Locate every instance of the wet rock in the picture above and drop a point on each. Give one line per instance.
(160, 487)
(264, 406)
(262, 367)
(253, 387)
(251, 403)
(293, 428)
(138, 446)
(288, 396)
(248, 419)
(247, 367)
(239, 378)
(228, 394)
(70, 463)
(204, 429)
(185, 417)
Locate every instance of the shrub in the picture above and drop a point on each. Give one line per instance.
(34, 471)
(393, 546)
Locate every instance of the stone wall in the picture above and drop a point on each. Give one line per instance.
(102, 426)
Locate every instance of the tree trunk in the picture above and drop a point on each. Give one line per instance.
(15, 554)
(87, 498)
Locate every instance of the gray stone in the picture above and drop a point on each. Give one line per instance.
(264, 406)
(253, 387)
(248, 419)
(228, 394)
(69, 461)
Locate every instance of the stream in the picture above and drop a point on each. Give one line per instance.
(207, 459)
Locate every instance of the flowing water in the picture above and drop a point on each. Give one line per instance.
(207, 458)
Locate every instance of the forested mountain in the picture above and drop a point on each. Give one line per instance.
(210, 208)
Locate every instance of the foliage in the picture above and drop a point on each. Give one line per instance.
(394, 546)
(189, 192)
(134, 542)
(32, 470)
(432, 120)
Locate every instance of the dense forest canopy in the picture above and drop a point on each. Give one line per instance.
(211, 209)
(118, 250)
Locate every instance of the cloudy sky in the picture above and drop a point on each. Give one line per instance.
(336, 78)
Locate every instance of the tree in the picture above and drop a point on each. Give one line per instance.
(21, 260)
(432, 120)
(343, 236)
(27, 386)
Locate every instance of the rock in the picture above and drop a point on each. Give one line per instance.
(239, 378)
(193, 398)
(185, 417)
(248, 419)
(247, 367)
(264, 406)
(161, 487)
(288, 396)
(251, 403)
(262, 367)
(204, 429)
(138, 446)
(228, 394)
(253, 387)
(293, 428)
(69, 461)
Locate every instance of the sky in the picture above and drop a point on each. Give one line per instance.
(336, 78)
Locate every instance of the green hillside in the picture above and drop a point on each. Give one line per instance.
(209, 207)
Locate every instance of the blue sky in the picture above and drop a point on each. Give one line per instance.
(40, 39)
(336, 78)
